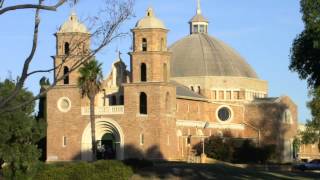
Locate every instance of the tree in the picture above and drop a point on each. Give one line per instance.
(305, 51)
(312, 131)
(103, 27)
(305, 60)
(89, 83)
(19, 133)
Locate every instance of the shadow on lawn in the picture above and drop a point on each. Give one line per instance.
(215, 171)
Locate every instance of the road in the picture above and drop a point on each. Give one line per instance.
(216, 171)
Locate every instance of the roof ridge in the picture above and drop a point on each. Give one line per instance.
(214, 47)
(203, 56)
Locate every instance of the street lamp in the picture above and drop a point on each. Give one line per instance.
(203, 155)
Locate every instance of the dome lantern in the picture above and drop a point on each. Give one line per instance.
(73, 25)
(150, 21)
(198, 24)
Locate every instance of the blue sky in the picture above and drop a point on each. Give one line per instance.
(261, 31)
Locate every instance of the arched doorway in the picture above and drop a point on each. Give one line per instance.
(107, 147)
(108, 134)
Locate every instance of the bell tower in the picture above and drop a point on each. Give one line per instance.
(150, 57)
(150, 98)
(72, 45)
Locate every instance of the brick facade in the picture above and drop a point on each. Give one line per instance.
(161, 133)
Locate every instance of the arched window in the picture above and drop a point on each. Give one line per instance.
(66, 48)
(144, 44)
(287, 117)
(199, 90)
(162, 48)
(121, 100)
(65, 72)
(195, 28)
(189, 140)
(165, 72)
(143, 72)
(168, 105)
(191, 87)
(202, 29)
(143, 103)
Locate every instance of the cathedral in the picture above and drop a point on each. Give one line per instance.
(171, 97)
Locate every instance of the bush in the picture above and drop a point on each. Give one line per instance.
(112, 170)
(88, 171)
(235, 150)
(249, 153)
(217, 148)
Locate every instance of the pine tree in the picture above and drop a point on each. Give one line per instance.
(19, 133)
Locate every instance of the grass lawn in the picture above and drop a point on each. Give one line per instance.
(215, 171)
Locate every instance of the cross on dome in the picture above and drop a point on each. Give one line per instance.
(199, 7)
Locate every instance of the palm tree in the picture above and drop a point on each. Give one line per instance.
(89, 82)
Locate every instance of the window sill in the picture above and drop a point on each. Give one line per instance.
(142, 115)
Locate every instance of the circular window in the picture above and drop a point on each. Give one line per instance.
(224, 114)
(64, 104)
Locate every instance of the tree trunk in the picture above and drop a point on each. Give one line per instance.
(93, 129)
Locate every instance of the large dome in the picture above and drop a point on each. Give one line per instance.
(202, 55)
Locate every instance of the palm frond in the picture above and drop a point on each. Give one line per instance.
(90, 79)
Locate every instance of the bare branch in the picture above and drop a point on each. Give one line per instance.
(27, 62)
(1, 3)
(72, 69)
(31, 6)
(105, 33)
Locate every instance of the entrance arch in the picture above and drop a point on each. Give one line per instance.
(104, 126)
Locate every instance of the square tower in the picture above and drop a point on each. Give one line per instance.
(72, 46)
(150, 98)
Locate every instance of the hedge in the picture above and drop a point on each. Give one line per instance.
(85, 171)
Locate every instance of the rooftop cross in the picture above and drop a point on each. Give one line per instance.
(119, 54)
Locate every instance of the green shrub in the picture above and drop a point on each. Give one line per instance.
(249, 153)
(217, 148)
(8, 173)
(85, 171)
(235, 150)
(112, 170)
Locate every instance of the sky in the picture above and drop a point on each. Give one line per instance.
(262, 31)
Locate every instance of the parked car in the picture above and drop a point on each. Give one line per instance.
(312, 165)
